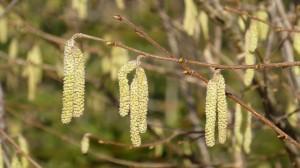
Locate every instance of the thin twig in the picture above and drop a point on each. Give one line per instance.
(8, 8)
(274, 27)
(98, 156)
(11, 141)
(192, 62)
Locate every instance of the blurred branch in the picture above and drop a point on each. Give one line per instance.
(274, 27)
(100, 156)
(8, 8)
(19, 150)
(165, 140)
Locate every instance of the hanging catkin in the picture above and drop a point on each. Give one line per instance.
(74, 79)
(238, 127)
(203, 22)
(296, 39)
(1, 157)
(190, 17)
(216, 110)
(24, 148)
(134, 99)
(251, 38)
(221, 108)
(33, 71)
(85, 143)
(143, 98)
(79, 81)
(67, 110)
(210, 111)
(262, 28)
(248, 133)
(134, 113)
(15, 162)
(250, 46)
(124, 87)
(3, 27)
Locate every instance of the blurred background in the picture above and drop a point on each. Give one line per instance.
(32, 37)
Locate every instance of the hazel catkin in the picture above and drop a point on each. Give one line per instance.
(79, 82)
(68, 86)
(216, 110)
(221, 108)
(210, 112)
(143, 98)
(74, 79)
(134, 113)
(124, 87)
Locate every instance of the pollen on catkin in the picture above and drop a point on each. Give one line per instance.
(134, 113)
(74, 79)
(79, 82)
(124, 87)
(210, 111)
(68, 86)
(221, 108)
(251, 38)
(143, 98)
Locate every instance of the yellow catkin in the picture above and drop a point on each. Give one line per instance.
(296, 42)
(68, 86)
(33, 72)
(210, 112)
(203, 21)
(249, 74)
(248, 133)
(79, 81)
(81, 8)
(85, 143)
(120, 4)
(250, 46)
(13, 50)
(251, 38)
(262, 28)
(241, 23)
(134, 113)
(124, 87)
(296, 39)
(24, 147)
(3, 27)
(1, 157)
(143, 98)
(15, 163)
(237, 127)
(119, 57)
(190, 17)
(221, 108)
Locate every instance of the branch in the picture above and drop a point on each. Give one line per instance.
(188, 71)
(99, 156)
(192, 62)
(274, 27)
(174, 135)
(11, 141)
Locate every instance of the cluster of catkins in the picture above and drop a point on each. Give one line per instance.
(74, 81)
(216, 110)
(134, 98)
